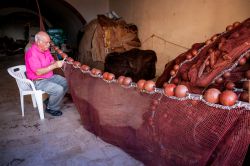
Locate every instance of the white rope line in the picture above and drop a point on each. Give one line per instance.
(190, 96)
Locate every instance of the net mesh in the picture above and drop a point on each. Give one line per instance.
(159, 130)
(202, 66)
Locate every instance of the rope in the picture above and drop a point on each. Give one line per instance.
(166, 41)
(42, 28)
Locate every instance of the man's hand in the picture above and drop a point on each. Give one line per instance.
(58, 64)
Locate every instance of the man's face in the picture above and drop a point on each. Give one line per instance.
(44, 43)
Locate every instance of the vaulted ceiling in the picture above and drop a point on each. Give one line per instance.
(56, 14)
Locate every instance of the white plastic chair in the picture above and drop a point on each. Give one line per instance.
(27, 87)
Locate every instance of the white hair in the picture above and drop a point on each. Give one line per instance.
(41, 36)
(38, 37)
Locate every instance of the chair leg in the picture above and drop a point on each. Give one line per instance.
(33, 97)
(22, 104)
(39, 100)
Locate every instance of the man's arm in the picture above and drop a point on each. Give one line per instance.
(52, 66)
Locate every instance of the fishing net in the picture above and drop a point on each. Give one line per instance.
(160, 130)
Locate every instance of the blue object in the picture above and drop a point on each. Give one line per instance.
(57, 35)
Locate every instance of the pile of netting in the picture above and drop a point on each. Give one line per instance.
(159, 129)
(222, 62)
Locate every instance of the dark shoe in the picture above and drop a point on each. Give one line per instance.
(54, 112)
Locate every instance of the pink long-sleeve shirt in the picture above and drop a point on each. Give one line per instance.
(36, 59)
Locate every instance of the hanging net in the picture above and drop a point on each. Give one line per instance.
(160, 130)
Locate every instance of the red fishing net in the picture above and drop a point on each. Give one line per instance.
(160, 130)
(222, 59)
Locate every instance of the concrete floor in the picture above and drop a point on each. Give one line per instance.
(54, 141)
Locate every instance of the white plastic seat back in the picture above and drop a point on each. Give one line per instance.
(27, 87)
(18, 72)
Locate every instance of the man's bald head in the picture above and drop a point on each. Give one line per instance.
(42, 40)
(42, 36)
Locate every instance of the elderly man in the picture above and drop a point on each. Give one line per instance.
(39, 67)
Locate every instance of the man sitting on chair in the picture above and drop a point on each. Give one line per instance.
(39, 68)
